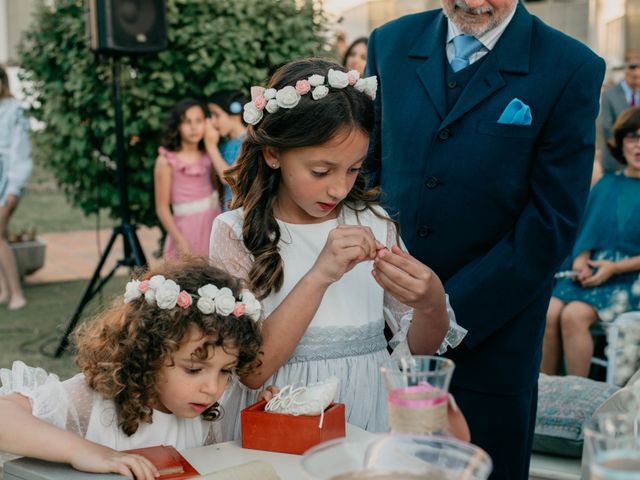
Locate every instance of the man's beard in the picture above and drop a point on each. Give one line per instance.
(469, 27)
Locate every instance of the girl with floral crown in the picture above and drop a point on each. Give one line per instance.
(309, 239)
(153, 369)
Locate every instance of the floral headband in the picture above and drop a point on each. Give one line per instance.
(166, 294)
(272, 100)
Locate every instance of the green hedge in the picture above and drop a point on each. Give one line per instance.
(213, 44)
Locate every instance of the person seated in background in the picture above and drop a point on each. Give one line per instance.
(616, 99)
(355, 57)
(605, 261)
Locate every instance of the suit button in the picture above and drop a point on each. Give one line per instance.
(444, 134)
(431, 182)
(424, 231)
(452, 84)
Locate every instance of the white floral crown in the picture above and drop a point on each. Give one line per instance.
(272, 100)
(166, 294)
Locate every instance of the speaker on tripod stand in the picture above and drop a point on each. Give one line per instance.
(116, 28)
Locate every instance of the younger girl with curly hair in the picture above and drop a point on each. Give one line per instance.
(153, 370)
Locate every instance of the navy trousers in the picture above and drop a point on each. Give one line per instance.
(503, 426)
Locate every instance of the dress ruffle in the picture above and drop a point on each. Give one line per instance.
(24, 379)
(192, 169)
(48, 398)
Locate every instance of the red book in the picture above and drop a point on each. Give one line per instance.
(168, 461)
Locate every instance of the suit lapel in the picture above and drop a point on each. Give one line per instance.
(430, 47)
(621, 102)
(510, 54)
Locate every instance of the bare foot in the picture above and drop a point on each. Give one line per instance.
(3, 299)
(17, 303)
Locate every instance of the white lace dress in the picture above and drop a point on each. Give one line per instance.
(73, 406)
(346, 336)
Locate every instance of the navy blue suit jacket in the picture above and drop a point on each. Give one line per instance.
(492, 208)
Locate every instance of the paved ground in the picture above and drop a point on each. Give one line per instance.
(75, 255)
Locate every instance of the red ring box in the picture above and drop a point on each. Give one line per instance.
(285, 433)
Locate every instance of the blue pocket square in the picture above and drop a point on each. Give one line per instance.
(516, 113)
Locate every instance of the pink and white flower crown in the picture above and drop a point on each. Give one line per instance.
(166, 294)
(271, 100)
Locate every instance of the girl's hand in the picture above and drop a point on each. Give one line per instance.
(100, 459)
(346, 246)
(606, 270)
(458, 427)
(407, 279)
(268, 393)
(183, 247)
(211, 134)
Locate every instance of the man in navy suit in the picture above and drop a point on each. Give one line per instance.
(485, 153)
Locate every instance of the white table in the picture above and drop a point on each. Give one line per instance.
(209, 459)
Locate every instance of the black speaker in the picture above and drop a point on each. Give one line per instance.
(127, 26)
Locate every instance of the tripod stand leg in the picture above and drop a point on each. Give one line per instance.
(131, 240)
(88, 294)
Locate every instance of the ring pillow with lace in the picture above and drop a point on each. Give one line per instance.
(312, 399)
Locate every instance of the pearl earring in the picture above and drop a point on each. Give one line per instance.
(274, 165)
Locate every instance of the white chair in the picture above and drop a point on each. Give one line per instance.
(623, 347)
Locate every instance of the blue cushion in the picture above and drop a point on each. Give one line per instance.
(564, 403)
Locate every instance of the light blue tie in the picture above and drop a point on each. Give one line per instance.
(465, 46)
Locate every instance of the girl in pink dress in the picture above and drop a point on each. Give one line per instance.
(186, 186)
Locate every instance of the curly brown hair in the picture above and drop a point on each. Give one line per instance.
(122, 350)
(255, 186)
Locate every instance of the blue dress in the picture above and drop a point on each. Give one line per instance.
(230, 150)
(611, 231)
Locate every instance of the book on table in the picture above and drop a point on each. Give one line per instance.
(169, 462)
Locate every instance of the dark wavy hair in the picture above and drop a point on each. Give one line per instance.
(5, 91)
(627, 122)
(171, 134)
(122, 350)
(357, 41)
(231, 101)
(255, 185)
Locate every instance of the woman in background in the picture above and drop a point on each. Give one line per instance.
(355, 58)
(15, 168)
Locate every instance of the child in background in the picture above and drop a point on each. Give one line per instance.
(186, 186)
(326, 261)
(225, 133)
(153, 369)
(355, 58)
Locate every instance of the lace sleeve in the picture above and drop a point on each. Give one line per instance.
(214, 433)
(398, 315)
(227, 250)
(66, 405)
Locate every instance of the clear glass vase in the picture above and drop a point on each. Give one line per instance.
(397, 457)
(418, 393)
(612, 447)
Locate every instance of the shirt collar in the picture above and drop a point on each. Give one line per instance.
(625, 87)
(488, 39)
